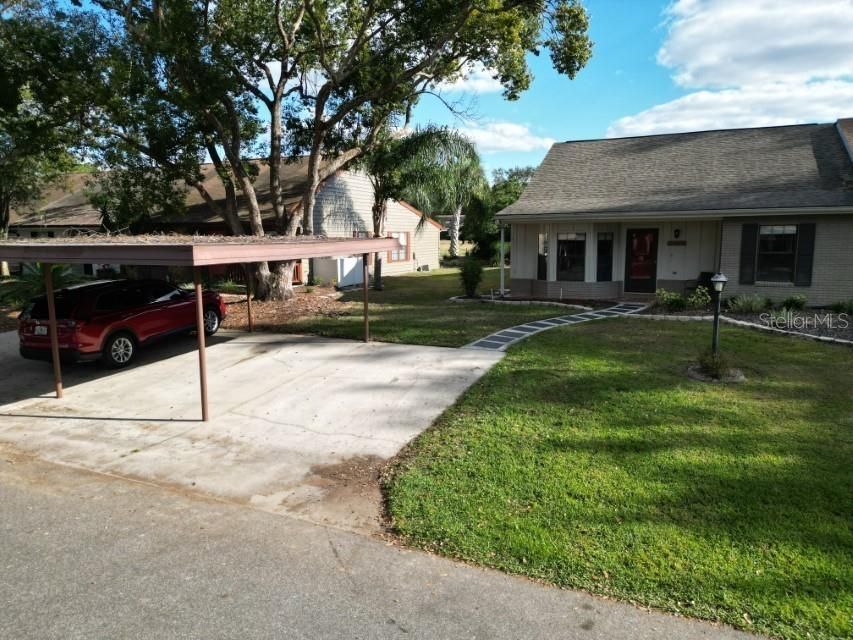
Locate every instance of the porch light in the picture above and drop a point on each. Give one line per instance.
(719, 280)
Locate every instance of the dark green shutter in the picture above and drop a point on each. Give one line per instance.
(748, 246)
(805, 254)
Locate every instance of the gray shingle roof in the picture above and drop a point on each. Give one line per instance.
(762, 168)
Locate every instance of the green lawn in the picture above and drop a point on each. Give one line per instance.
(586, 458)
(414, 309)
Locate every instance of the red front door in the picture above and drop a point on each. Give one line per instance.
(641, 260)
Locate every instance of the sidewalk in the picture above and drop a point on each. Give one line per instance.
(91, 556)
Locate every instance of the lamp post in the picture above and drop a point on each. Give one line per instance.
(718, 280)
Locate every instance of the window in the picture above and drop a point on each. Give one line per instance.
(542, 258)
(777, 253)
(402, 254)
(571, 256)
(160, 292)
(604, 262)
(126, 298)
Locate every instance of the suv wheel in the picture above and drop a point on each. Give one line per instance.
(119, 350)
(211, 321)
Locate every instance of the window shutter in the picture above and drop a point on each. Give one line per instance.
(805, 254)
(748, 245)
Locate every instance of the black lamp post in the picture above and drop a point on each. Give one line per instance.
(718, 280)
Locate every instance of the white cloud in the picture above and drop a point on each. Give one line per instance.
(725, 43)
(494, 137)
(474, 79)
(758, 63)
(753, 106)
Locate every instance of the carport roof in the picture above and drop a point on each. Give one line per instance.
(191, 251)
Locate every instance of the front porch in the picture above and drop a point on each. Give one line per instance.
(611, 260)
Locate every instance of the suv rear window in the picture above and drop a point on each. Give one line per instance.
(65, 302)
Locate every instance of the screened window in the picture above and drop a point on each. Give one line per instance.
(542, 258)
(604, 262)
(402, 254)
(777, 253)
(571, 256)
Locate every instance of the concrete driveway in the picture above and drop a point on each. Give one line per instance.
(299, 425)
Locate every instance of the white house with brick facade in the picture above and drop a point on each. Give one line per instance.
(770, 207)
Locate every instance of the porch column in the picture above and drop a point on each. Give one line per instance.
(502, 258)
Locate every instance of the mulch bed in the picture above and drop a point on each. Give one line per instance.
(275, 316)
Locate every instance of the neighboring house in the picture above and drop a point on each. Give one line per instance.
(343, 208)
(62, 210)
(771, 207)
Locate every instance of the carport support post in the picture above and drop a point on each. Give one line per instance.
(364, 285)
(47, 268)
(202, 361)
(251, 320)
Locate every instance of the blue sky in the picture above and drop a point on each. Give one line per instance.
(661, 66)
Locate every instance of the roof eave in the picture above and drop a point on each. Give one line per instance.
(705, 214)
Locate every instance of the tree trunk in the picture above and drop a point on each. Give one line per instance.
(380, 210)
(454, 232)
(281, 280)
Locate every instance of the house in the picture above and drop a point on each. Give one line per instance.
(770, 207)
(343, 208)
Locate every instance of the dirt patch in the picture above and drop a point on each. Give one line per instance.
(275, 316)
(8, 319)
(345, 494)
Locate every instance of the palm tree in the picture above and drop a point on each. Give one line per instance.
(434, 168)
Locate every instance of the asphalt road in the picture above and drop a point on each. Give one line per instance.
(83, 555)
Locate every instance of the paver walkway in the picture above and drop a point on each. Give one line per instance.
(500, 340)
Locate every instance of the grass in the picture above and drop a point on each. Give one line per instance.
(444, 248)
(586, 458)
(414, 309)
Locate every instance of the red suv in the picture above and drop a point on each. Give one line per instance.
(108, 321)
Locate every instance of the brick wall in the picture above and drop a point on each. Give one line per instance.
(832, 273)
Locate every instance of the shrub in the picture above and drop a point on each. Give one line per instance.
(228, 286)
(670, 300)
(748, 303)
(471, 274)
(714, 365)
(700, 298)
(842, 306)
(796, 302)
(16, 292)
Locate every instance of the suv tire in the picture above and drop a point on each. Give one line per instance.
(119, 350)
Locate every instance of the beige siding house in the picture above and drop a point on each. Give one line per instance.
(770, 207)
(344, 208)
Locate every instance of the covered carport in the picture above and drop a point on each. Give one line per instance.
(184, 251)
